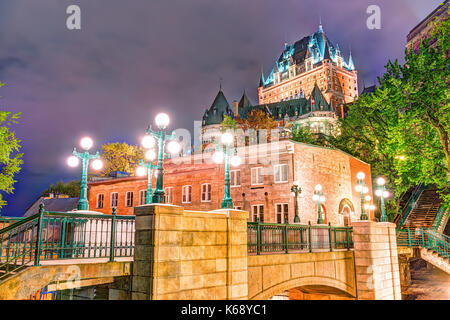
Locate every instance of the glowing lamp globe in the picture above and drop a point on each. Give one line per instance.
(315, 197)
(162, 120)
(97, 164)
(365, 190)
(360, 175)
(217, 157)
(86, 143)
(148, 142)
(322, 198)
(150, 155)
(378, 193)
(368, 198)
(227, 138)
(385, 194)
(358, 188)
(381, 181)
(296, 182)
(366, 206)
(235, 161)
(72, 161)
(173, 147)
(141, 171)
(372, 207)
(318, 187)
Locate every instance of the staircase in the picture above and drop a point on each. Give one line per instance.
(421, 209)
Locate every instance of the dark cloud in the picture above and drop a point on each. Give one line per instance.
(133, 59)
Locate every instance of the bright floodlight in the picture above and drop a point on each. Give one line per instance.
(360, 175)
(318, 187)
(97, 164)
(368, 198)
(217, 157)
(378, 193)
(322, 198)
(235, 161)
(315, 197)
(173, 147)
(141, 171)
(227, 138)
(162, 120)
(365, 190)
(72, 161)
(148, 142)
(358, 188)
(385, 194)
(150, 155)
(86, 143)
(381, 181)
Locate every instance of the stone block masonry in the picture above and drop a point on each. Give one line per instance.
(191, 255)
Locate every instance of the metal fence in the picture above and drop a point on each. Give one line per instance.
(62, 235)
(266, 238)
(428, 238)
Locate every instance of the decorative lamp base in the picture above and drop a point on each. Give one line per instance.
(83, 204)
(227, 203)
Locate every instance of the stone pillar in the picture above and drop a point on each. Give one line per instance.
(189, 254)
(376, 261)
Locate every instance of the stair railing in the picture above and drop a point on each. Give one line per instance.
(438, 220)
(410, 205)
(438, 244)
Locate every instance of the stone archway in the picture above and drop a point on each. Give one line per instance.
(346, 209)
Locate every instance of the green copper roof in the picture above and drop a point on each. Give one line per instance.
(217, 111)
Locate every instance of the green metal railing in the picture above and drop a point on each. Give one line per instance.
(290, 238)
(410, 204)
(429, 239)
(437, 221)
(7, 221)
(62, 235)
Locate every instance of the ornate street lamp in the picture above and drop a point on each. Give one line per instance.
(319, 197)
(367, 205)
(382, 193)
(296, 190)
(162, 121)
(361, 187)
(218, 157)
(147, 168)
(85, 143)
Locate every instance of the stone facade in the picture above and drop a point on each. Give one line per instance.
(309, 165)
(376, 261)
(189, 255)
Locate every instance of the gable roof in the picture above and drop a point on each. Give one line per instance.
(54, 204)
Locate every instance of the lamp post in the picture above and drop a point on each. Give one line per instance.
(361, 187)
(367, 205)
(147, 167)
(220, 156)
(162, 121)
(296, 190)
(319, 197)
(85, 143)
(382, 193)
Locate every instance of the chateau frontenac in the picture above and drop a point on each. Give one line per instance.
(309, 85)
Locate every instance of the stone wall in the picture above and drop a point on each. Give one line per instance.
(376, 261)
(183, 254)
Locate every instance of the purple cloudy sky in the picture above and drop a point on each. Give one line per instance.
(133, 59)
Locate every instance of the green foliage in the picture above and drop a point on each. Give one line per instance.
(228, 123)
(121, 157)
(305, 135)
(402, 130)
(10, 158)
(71, 188)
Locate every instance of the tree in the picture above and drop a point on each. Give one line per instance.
(10, 158)
(228, 123)
(71, 189)
(257, 120)
(121, 157)
(305, 135)
(402, 129)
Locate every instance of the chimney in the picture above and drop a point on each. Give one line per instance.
(235, 108)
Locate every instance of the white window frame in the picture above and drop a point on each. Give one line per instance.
(208, 195)
(103, 200)
(233, 178)
(256, 169)
(283, 213)
(117, 199)
(169, 195)
(142, 201)
(126, 199)
(278, 169)
(184, 195)
(258, 214)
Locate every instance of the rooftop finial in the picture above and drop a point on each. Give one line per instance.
(220, 83)
(320, 24)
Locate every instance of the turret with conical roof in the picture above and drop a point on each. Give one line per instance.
(219, 108)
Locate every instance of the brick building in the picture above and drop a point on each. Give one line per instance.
(260, 185)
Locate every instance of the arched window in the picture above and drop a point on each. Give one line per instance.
(346, 209)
